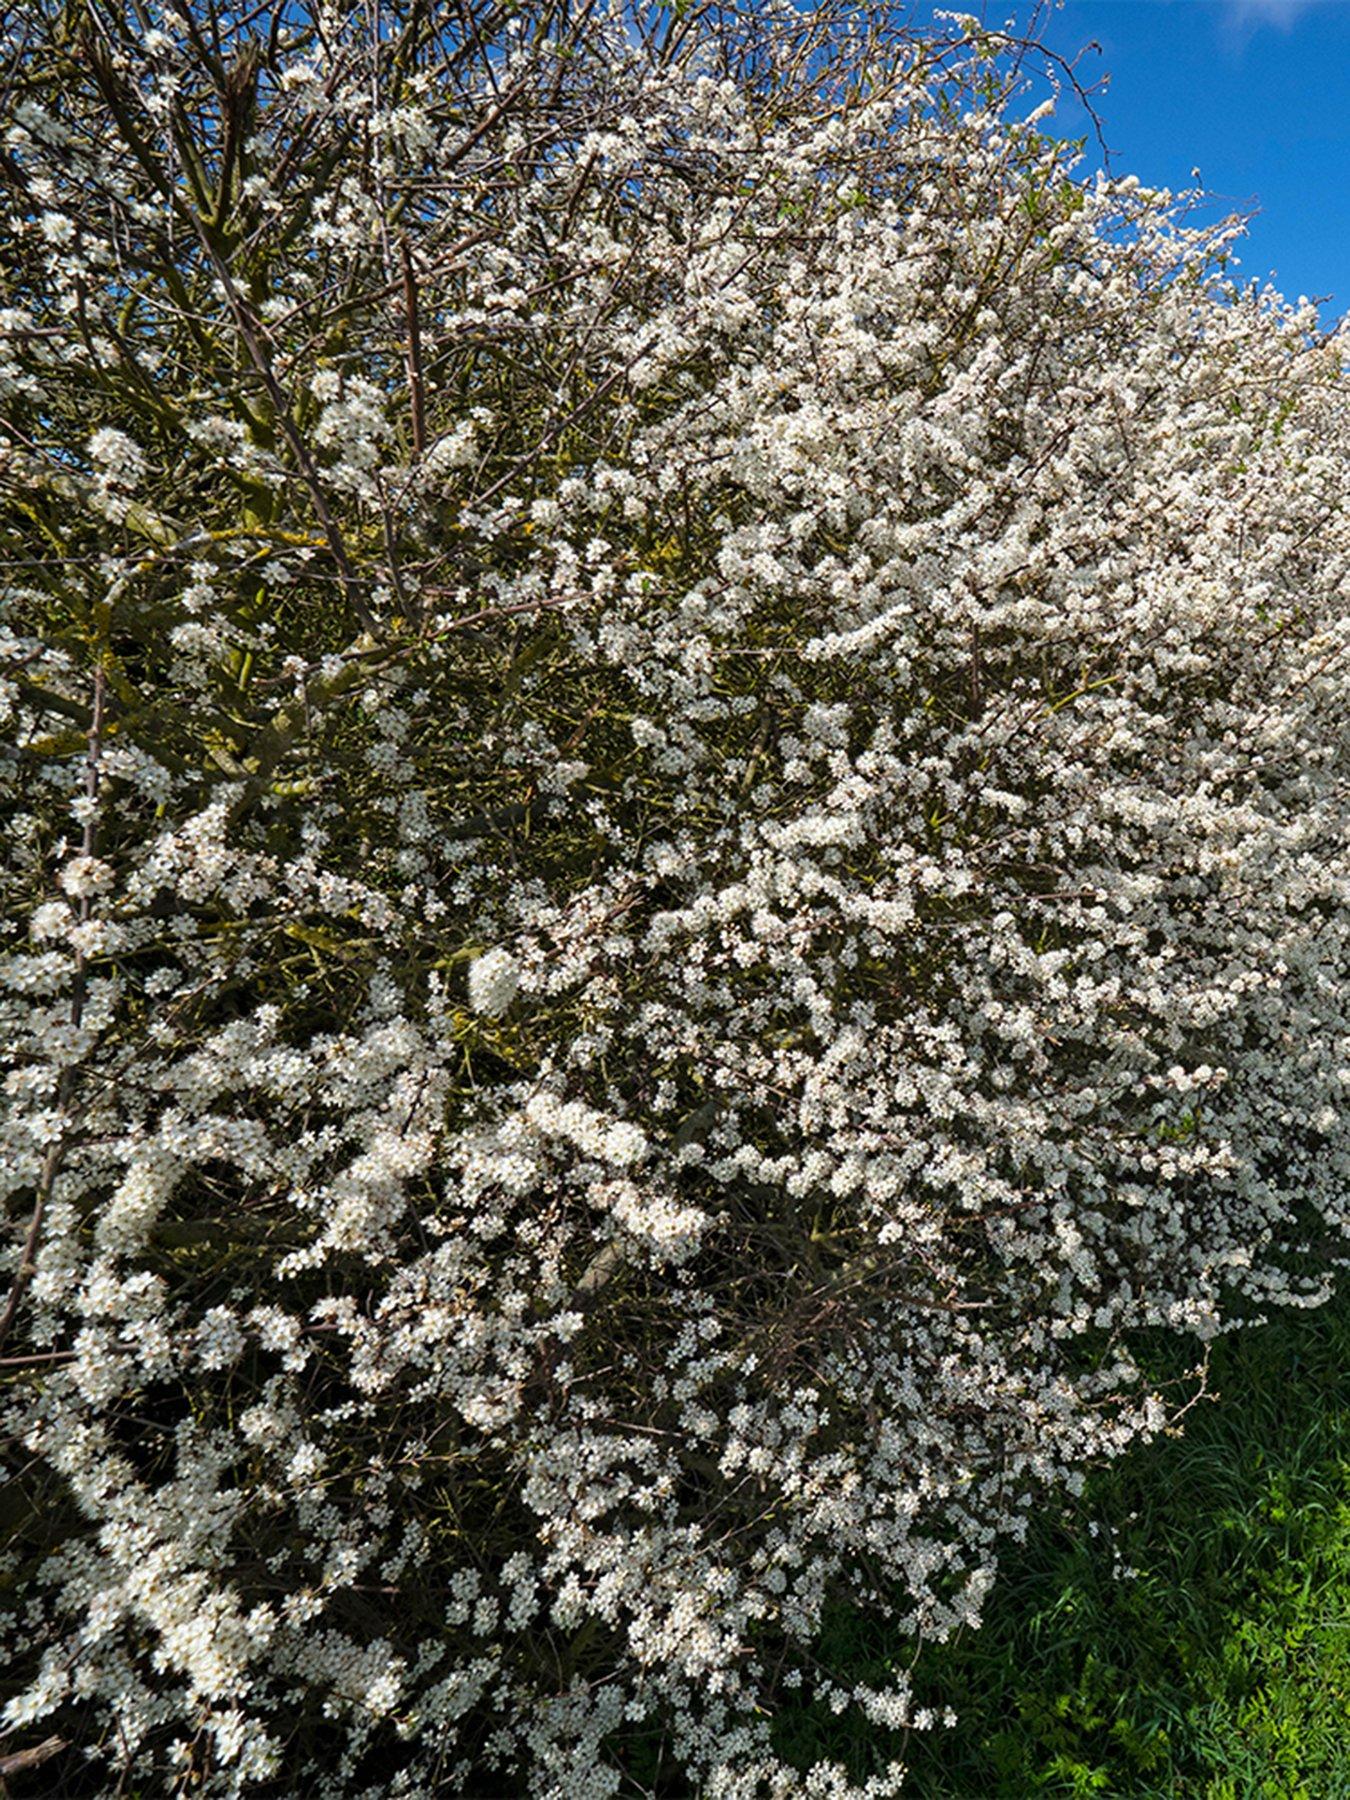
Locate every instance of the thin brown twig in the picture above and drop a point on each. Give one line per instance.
(416, 397)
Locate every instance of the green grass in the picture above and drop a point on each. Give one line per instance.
(1220, 1671)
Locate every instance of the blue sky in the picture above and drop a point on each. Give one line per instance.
(1254, 93)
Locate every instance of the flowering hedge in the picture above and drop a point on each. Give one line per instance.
(677, 730)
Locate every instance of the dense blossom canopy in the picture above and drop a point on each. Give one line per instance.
(677, 745)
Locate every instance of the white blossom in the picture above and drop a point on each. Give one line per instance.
(494, 981)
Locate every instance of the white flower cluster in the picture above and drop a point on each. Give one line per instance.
(689, 855)
(494, 980)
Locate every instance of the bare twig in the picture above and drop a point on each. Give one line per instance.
(20, 1760)
(415, 391)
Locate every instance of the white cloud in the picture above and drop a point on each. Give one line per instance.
(1246, 14)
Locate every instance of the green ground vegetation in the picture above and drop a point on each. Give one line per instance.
(1182, 1628)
